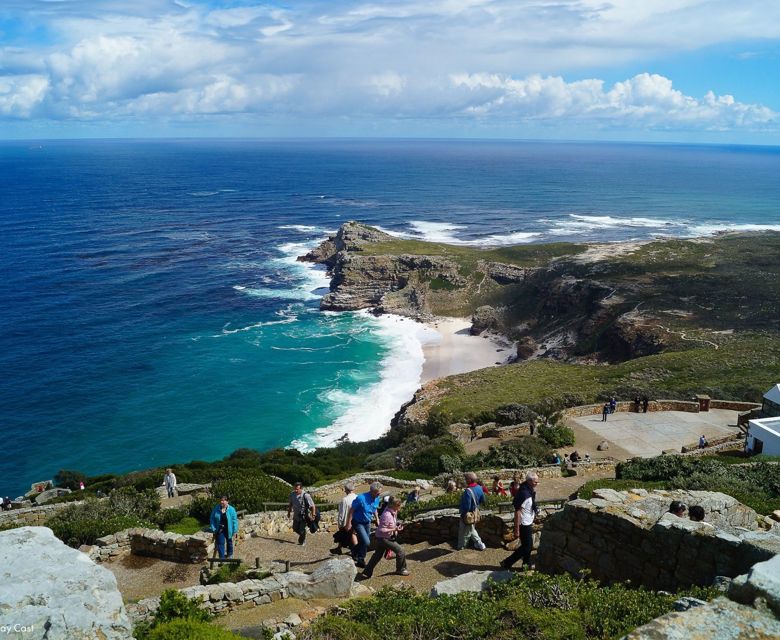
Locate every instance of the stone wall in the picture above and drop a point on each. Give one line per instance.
(270, 523)
(732, 405)
(622, 536)
(367, 478)
(333, 579)
(629, 406)
(32, 516)
(152, 543)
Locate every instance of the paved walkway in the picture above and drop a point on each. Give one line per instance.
(649, 434)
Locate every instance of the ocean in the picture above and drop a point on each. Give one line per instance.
(153, 311)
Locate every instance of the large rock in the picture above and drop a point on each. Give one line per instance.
(474, 581)
(332, 580)
(56, 592)
(761, 582)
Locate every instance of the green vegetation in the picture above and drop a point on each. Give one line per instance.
(186, 526)
(756, 485)
(676, 374)
(231, 573)
(530, 606)
(176, 616)
(188, 630)
(445, 501)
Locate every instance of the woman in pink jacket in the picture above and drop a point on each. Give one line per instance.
(385, 535)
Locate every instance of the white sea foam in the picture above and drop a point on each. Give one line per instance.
(307, 228)
(366, 413)
(444, 232)
(715, 227)
(577, 224)
(310, 280)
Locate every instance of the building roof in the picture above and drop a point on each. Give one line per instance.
(770, 425)
(773, 394)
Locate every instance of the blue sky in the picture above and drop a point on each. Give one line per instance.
(654, 70)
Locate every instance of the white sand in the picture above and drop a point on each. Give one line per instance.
(458, 352)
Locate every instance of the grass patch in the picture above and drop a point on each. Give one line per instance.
(186, 526)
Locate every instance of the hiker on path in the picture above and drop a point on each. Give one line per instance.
(605, 412)
(301, 506)
(612, 404)
(525, 512)
(170, 483)
(702, 441)
(645, 404)
(498, 487)
(472, 497)
(344, 537)
(386, 534)
(224, 526)
(414, 495)
(361, 514)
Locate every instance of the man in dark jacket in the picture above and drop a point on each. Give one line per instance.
(525, 512)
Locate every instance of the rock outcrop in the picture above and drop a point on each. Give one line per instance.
(473, 581)
(750, 611)
(54, 592)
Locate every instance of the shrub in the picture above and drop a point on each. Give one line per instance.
(250, 489)
(556, 436)
(514, 414)
(293, 473)
(188, 630)
(382, 460)
(167, 517)
(69, 479)
(201, 508)
(128, 501)
(84, 523)
(228, 573)
(527, 451)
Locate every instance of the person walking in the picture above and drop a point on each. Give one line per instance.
(472, 497)
(361, 514)
(612, 404)
(645, 404)
(224, 526)
(343, 537)
(386, 534)
(605, 412)
(414, 495)
(525, 512)
(301, 507)
(170, 483)
(498, 487)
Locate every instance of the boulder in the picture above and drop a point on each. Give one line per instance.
(474, 581)
(486, 318)
(45, 496)
(332, 580)
(526, 347)
(56, 592)
(603, 446)
(761, 582)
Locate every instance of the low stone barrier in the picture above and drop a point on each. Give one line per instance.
(367, 478)
(630, 406)
(732, 405)
(32, 516)
(715, 445)
(630, 535)
(152, 543)
(333, 579)
(270, 523)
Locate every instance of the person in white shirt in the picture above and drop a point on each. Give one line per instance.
(170, 483)
(343, 537)
(525, 513)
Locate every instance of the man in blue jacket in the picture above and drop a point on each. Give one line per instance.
(361, 514)
(472, 497)
(224, 526)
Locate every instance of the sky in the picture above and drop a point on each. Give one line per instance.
(648, 70)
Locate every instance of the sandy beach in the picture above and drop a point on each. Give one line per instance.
(458, 352)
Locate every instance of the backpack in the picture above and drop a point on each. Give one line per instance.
(472, 517)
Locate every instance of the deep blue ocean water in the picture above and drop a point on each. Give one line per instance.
(153, 311)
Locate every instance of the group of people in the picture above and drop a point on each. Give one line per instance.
(695, 513)
(640, 404)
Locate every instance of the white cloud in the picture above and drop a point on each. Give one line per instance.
(484, 60)
(20, 95)
(645, 101)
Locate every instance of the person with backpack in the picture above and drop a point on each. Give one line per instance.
(472, 497)
(525, 512)
(301, 507)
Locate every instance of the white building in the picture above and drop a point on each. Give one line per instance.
(770, 407)
(763, 436)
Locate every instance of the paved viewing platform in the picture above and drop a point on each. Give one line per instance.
(650, 434)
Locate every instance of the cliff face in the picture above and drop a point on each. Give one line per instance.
(568, 316)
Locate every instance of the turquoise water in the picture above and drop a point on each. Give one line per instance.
(153, 311)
